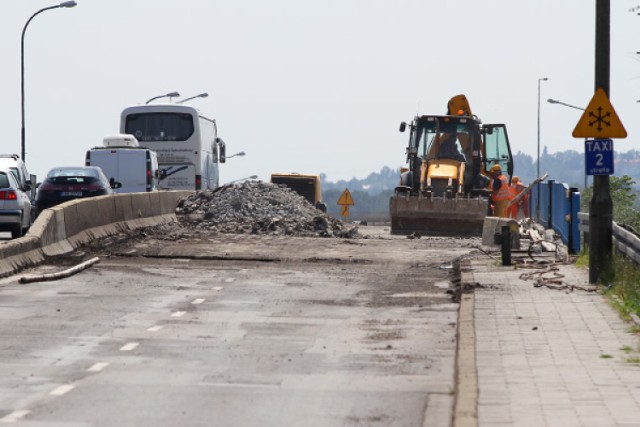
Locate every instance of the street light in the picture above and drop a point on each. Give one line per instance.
(168, 95)
(538, 161)
(555, 101)
(242, 153)
(201, 95)
(65, 4)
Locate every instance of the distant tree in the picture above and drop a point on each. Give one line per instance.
(372, 193)
(524, 167)
(623, 198)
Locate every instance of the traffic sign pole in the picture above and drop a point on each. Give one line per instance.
(601, 206)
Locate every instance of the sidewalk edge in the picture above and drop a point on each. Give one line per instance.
(465, 412)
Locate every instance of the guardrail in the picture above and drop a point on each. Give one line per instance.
(559, 208)
(63, 228)
(624, 241)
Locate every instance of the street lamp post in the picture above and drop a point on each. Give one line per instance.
(65, 4)
(167, 95)
(538, 160)
(555, 101)
(201, 95)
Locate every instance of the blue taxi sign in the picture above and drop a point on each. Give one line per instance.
(598, 156)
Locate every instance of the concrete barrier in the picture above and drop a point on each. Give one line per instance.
(63, 228)
(124, 207)
(493, 225)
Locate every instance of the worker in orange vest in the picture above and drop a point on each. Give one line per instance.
(522, 205)
(500, 192)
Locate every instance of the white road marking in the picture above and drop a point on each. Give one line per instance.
(178, 314)
(198, 301)
(442, 285)
(218, 288)
(63, 389)
(14, 416)
(229, 279)
(241, 385)
(128, 347)
(154, 328)
(98, 367)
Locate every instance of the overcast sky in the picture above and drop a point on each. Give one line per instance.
(306, 86)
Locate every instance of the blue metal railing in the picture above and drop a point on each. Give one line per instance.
(558, 210)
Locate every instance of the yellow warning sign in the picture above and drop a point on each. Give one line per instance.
(599, 119)
(345, 199)
(344, 211)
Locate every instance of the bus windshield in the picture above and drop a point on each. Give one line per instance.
(148, 127)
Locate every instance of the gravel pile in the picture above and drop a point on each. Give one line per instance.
(256, 207)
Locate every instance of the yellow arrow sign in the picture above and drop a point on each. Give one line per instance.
(599, 119)
(344, 211)
(345, 198)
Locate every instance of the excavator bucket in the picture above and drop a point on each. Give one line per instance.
(437, 215)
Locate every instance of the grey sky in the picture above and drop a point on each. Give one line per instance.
(310, 86)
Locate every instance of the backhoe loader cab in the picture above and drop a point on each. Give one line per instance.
(444, 190)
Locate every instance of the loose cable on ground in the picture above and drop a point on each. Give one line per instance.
(548, 271)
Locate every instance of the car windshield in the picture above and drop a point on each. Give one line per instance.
(73, 180)
(71, 175)
(88, 171)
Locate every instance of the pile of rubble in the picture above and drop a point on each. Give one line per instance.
(256, 207)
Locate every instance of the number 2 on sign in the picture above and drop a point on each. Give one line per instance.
(599, 159)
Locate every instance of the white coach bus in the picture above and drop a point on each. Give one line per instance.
(189, 150)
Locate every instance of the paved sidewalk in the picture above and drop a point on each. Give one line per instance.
(534, 356)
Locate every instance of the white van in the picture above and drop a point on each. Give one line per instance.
(124, 161)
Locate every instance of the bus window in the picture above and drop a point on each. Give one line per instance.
(160, 126)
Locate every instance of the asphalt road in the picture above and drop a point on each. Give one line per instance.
(234, 330)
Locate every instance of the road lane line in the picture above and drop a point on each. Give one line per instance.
(242, 385)
(98, 367)
(14, 416)
(218, 288)
(129, 346)
(178, 314)
(63, 389)
(154, 328)
(198, 301)
(229, 279)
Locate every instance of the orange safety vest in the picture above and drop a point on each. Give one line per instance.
(504, 193)
(517, 189)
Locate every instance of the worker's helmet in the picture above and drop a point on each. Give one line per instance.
(515, 179)
(495, 168)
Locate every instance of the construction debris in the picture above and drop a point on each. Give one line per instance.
(256, 207)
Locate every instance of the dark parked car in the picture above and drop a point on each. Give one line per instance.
(68, 183)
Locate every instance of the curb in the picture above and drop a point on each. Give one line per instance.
(465, 411)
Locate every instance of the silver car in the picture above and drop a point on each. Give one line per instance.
(15, 206)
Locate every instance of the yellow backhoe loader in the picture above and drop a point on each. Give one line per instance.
(445, 188)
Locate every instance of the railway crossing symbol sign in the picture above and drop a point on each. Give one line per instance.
(599, 120)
